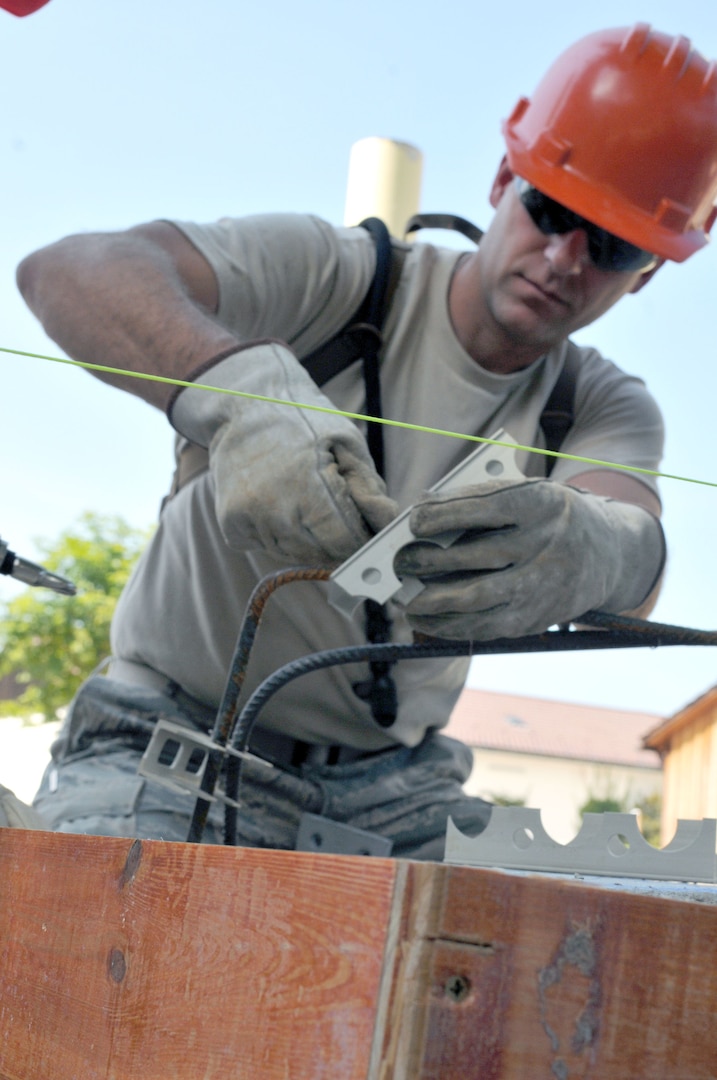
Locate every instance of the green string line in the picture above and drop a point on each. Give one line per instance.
(367, 419)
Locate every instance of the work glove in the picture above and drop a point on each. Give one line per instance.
(534, 553)
(295, 483)
(15, 814)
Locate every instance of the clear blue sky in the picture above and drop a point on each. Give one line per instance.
(120, 111)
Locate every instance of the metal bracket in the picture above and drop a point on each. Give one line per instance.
(177, 757)
(369, 574)
(317, 833)
(608, 844)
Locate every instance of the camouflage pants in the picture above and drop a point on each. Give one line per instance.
(92, 785)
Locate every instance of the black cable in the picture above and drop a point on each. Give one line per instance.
(607, 632)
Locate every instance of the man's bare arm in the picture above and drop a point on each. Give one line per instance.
(141, 300)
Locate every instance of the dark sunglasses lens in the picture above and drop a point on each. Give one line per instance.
(607, 252)
(549, 216)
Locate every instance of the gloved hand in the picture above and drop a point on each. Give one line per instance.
(534, 553)
(296, 483)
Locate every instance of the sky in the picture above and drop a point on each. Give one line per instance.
(119, 111)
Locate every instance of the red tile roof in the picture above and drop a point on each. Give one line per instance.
(559, 729)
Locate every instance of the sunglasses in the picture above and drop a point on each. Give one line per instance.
(607, 252)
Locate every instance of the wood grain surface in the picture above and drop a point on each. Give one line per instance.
(123, 960)
(525, 978)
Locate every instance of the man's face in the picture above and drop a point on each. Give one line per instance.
(538, 289)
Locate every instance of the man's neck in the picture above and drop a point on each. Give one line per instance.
(478, 333)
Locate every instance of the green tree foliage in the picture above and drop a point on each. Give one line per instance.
(594, 805)
(648, 810)
(51, 643)
(505, 800)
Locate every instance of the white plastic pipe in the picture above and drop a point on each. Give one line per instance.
(384, 181)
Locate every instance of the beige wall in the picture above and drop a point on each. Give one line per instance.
(558, 786)
(690, 770)
(24, 753)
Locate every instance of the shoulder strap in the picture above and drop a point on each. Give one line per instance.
(377, 307)
(361, 338)
(363, 330)
(445, 221)
(558, 416)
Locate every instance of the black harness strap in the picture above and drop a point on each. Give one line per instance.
(445, 221)
(362, 339)
(380, 690)
(558, 416)
(376, 314)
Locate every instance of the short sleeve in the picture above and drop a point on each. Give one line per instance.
(616, 421)
(287, 276)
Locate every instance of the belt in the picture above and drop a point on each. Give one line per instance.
(284, 750)
(274, 746)
(127, 671)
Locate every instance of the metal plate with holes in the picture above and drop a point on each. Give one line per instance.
(609, 843)
(320, 834)
(369, 574)
(177, 758)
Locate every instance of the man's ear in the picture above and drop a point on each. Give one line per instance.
(644, 278)
(502, 180)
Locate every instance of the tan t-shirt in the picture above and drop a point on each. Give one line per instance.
(298, 278)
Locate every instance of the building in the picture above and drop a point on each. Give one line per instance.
(687, 744)
(555, 755)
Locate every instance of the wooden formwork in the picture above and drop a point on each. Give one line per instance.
(129, 960)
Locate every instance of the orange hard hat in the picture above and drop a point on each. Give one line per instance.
(623, 130)
(22, 7)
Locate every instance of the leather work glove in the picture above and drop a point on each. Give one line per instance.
(534, 553)
(15, 814)
(295, 483)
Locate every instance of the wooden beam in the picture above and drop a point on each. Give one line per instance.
(533, 976)
(123, 960)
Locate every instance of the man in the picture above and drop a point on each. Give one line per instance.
(609, 170)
